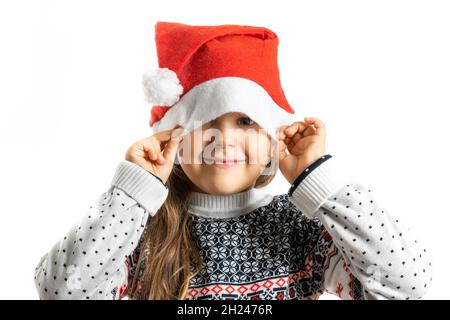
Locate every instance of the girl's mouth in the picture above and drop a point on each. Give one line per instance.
(223, 163)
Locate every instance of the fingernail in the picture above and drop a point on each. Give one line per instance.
(177, 133)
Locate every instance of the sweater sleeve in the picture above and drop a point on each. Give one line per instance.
(377, 256)
(90, 261)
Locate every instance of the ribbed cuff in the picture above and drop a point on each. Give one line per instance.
(312, 192)
(141, 185)
(307, 171)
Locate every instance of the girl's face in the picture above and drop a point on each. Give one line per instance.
(225, 155)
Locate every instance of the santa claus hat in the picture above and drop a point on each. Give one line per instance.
(207, 71)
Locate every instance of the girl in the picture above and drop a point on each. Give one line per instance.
(185, 216)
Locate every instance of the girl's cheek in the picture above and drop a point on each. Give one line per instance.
(258, 149)
(192, 153)
(251, 148)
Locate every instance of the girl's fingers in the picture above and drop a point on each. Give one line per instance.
(154, 144)
(281, 146)
(281, 134)
(148, 146)
(166, 134)
(160, 159)
(161, 136)
(297, 126)
(171, 148)
(318, 124)
(290, 145)
(152, 154)
(297, 137)
(297, 147)
(309, 131)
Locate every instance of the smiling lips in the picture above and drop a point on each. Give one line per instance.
(223, 163)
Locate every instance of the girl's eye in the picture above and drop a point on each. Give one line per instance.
(246, 121)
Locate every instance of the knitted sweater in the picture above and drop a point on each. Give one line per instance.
(323, 235)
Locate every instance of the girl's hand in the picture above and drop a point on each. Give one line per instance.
(305, 141)
(156, 153)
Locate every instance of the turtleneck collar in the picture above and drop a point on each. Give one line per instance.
(228, 206)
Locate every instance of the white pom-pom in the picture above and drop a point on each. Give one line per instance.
(161, 87)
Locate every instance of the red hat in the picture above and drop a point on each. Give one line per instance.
(207, 71)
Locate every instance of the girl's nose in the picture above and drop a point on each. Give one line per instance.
(229, 135)
(224, 141)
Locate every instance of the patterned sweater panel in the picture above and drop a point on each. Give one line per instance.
(273, 252)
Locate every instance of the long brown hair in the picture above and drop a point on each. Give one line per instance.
(168, 254)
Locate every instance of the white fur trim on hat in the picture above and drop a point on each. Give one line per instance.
(161, 87)
(218, 96)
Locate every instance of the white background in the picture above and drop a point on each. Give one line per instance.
(376, 72)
